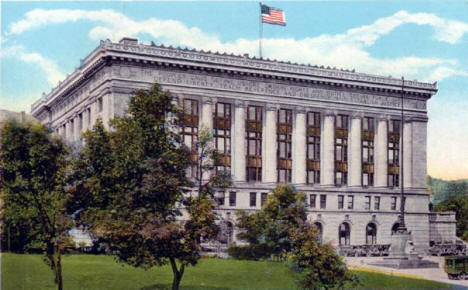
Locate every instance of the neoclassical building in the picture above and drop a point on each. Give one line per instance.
(335, 134)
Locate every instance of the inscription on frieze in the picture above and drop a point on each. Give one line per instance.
(283, 90)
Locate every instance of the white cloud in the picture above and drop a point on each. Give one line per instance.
(49, 67)
(346, 50)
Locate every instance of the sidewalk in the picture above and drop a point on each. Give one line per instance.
(435, 274)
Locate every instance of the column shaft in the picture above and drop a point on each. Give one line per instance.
(328, 158)
(355, 160)
(207, 115)
(299, 153)
(381, 158)
(408, 155)
(239, 148)
(270, 162)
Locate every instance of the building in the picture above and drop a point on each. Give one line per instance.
(333, 133)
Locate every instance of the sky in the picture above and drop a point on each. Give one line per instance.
(42, 42)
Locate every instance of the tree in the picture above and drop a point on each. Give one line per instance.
(34, 167)
(269, 229)
(130, 187)
(317, 266)
(280, 230)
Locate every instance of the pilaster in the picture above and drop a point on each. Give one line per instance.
(239, 142)
(269, 161)
(381, 155)
(299, 173)
(328, 149)
(355, 155)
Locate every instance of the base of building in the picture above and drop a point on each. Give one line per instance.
(405, 262)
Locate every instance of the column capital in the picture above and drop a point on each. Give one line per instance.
(241, 103)
(300, 109)
(383, 117)
(332, 113)
(208, 100)
(271, 107)
(357, 115)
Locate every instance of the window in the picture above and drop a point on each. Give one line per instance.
(232, 198)
(340, 201)
(393, 204)
(190, 133)
(367, 151)
(253, 199)
(220, 198)
(323, 201)
(344, 234)
(89, 116)
(263, 198)
(377, 203)
(313, 199)
(367, 202)
(350, 201)
(371, 234)
(80, 122)
(72, 127)
(254, 143)
(284, 142)
(393, 151)
(313, 148)
(341, 150)
(100, 105)
(222, 136)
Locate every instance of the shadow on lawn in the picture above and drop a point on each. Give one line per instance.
(188, 287)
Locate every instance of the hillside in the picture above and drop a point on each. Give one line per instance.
(443, 189)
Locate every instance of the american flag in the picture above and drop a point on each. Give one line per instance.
(272, 15)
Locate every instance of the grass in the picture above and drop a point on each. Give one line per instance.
(101, 272)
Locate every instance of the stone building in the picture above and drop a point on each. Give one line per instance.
(334, 134)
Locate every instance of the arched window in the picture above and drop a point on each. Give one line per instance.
(395, 228)
(320, 231)
(344, 234)
(225, 235)
(371, 234)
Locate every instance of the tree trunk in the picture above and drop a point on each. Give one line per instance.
(58, 271)
(177, 274)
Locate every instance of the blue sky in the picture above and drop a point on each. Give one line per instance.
(424, 40)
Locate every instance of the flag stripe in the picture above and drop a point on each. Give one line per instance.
(273, 16)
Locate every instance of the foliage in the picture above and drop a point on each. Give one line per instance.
(253, 252)
(129, 187)
(442, 189)
(460, 207)
(269, 229)
(318, 266)
(280, 230)
(34, 167)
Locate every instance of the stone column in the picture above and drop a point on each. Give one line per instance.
(355, 156)
(239, 158)
(77, 127)
(206, 121)
(328, 150)
(70, 128)
(381, 155)
(419, 153)
(408, 154)
(269, 158)
(299, 154)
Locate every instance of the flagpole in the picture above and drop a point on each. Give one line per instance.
(260, 32)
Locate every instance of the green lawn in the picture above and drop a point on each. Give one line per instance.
(101, 272)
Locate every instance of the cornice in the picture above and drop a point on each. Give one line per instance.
(129, 50)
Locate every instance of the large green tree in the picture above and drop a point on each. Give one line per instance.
(130, 187)
(280, 230)
(34, 168)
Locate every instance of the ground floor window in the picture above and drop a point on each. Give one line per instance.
(344, 234)
(319, 228)
(371, 234)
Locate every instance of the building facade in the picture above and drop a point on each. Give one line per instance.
(335, 134)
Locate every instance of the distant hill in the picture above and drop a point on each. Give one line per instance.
(442, 189)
